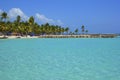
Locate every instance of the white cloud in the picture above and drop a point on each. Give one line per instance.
(44, 19)
(14, 12)
(59, 22)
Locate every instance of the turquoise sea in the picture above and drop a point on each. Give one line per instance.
(60, 59)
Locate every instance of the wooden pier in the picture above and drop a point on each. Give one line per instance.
(80, 36)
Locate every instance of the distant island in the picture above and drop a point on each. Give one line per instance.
(18, 29)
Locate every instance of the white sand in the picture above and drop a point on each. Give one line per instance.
(14, 37)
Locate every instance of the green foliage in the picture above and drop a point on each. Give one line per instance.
(76, 31)
(86, 31)
(30, 26)
(83, 28)
(4, 16)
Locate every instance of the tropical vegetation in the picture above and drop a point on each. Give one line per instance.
(30, 27)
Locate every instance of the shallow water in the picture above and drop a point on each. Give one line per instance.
(60, 59)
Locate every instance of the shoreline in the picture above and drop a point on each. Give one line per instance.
(17, 37)
(62, 36)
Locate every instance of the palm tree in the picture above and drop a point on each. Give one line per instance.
(47, 24)
(31, 20)
(62, 31)
(59, 30)
(17, 24)
(31, 23)
(83, 28)
(36, 29)
(4, 26)
(86, 31)
(67, 29)
(76, 31)
(18, 19)
(4, 16)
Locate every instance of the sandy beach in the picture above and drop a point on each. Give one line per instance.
(15, 37)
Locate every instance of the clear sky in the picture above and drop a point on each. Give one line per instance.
(98, 16)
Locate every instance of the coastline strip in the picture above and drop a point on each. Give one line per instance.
(64, 36)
